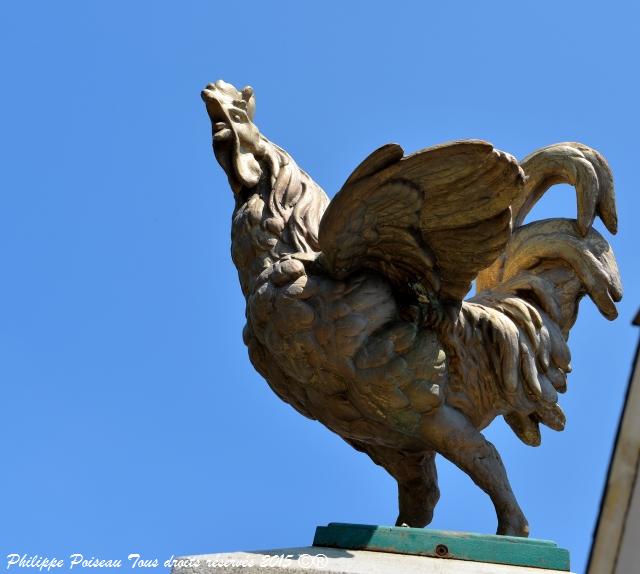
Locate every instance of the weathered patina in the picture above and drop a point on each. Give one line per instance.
(355, 308)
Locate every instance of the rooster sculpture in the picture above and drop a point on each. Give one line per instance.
(355, 308)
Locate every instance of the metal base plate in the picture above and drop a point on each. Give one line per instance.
(443, 544)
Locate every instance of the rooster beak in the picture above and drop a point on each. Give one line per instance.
(219, 120)
(212, 103)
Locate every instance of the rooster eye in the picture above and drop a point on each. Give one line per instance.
(238, 117)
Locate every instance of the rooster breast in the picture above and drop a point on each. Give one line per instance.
(339, 352)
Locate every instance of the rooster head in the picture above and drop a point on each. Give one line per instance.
(237, 143)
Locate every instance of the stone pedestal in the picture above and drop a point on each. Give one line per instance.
(320, 560)
(364, 549)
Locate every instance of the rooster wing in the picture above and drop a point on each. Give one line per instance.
(436, 217)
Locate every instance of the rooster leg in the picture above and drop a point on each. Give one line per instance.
(451, 434)
(418, 491)
(417, 480)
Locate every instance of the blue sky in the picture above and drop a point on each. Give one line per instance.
(132, 420)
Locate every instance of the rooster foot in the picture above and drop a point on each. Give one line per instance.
(513, 523)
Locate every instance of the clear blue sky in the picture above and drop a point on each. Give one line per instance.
(132, 420)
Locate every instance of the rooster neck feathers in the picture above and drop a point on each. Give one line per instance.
(280, 215)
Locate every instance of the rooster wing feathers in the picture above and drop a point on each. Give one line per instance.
(438, 216)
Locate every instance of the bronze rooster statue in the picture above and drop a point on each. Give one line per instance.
(355, 308)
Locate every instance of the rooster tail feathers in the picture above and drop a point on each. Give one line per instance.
(578, 165)
(531, 293)
(555, 266)
(529, 358)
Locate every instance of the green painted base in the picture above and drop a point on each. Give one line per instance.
(442, 544)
